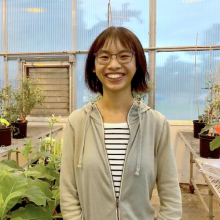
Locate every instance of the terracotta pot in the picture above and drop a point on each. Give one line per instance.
(5, 137)
(197, 127)
(205, 148)
(19, 129)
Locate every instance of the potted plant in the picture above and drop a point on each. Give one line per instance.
(199, 124)
(32, 193)
(210, 142)
(5, 128)
(24, 100)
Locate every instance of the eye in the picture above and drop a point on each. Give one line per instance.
(124, 55)
(104, 56)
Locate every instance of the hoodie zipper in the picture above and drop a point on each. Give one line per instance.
(124, 165)
(117, 202)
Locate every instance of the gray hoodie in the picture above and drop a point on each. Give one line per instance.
(86, 184)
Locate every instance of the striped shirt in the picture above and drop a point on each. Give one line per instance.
(116, 139)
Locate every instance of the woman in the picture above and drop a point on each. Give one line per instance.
(116, 149)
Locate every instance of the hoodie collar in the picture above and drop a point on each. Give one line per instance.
(135, 113)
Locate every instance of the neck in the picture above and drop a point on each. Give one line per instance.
(116, 101)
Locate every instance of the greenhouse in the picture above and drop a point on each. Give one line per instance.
(109, 109)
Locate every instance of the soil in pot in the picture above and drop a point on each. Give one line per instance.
(19, 129)
(5, 137)
(197, 127)
(205, 148)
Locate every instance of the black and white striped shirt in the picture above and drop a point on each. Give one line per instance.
(116, 139)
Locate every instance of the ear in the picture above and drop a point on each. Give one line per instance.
(93, 70)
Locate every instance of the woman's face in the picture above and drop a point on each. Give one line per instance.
(115, 76)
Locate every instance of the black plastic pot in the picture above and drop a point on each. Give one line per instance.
(5, 137)
(197, 127)
(19, 129)
(205, 148)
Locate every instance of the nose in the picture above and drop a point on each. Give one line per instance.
(114, 62)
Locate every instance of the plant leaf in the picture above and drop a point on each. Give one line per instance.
(11, 165)
(215, 143)
(32, 212)
(4, 121)
(209, 126)
(12, 187)
(45, 172)
(38, 174)
(44, 186)
(35, 194)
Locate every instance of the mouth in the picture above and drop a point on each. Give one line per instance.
(114, 76)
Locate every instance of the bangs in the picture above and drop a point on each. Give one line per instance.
(112, 37)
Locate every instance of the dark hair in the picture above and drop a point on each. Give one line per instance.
(128, 40)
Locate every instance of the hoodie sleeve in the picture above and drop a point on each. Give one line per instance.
(69, 200)
(167, 179)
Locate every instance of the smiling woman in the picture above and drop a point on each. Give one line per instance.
(114, 41)
(116, 149)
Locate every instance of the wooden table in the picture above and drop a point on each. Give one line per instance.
(214, 185)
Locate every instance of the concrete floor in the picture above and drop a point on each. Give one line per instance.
(193, 208)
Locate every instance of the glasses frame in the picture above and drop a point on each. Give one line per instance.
(96, 54)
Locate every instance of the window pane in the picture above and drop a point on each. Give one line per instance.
(13, 73)
(82, 91)
(92, 20)
(39, 25)
(175, 83)
(179, 21)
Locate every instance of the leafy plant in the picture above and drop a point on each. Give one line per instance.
(27, 96)
(212, 108)
(18, 103)
(6, 97)
(32, 193)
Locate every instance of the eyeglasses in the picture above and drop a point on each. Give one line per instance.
(122, 57)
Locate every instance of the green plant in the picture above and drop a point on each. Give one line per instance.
(212, 108)
(6, 97)
(18, 103)
(26, 97)
(32, 193)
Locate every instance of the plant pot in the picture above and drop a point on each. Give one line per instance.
(197, 127)
(19, 129)
(205, 148)
(5, 134)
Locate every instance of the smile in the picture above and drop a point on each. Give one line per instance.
(114, 76)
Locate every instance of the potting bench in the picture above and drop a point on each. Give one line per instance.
(35, 133)
(213, 184)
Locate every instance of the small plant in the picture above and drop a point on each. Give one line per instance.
(6, 96)
(26, 97)
(18, 103)
(33, 193)
(212, 108)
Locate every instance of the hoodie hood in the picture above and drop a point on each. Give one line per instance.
(134, 115)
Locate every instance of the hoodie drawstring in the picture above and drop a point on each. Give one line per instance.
(84, 134)
(138, 167)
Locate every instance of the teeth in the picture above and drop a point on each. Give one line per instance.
(114, 76)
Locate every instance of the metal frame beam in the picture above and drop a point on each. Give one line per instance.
(5, 43)
(152, 53)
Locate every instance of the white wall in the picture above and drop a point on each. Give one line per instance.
(182, 153)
